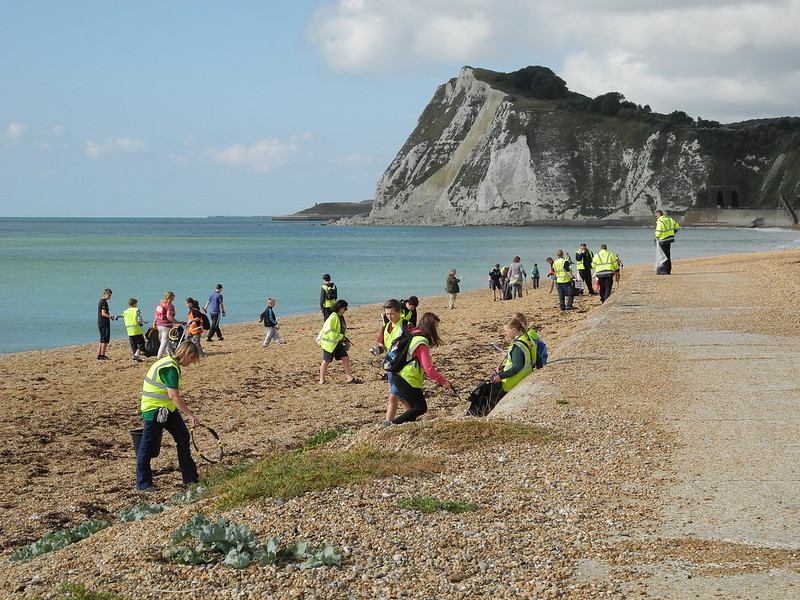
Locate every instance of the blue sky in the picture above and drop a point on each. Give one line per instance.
(201, 108)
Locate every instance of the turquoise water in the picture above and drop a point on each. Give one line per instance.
(55, 270)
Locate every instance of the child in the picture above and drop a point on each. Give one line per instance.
(271, 323)
(132, 317)
(194, 325)
(535, 276)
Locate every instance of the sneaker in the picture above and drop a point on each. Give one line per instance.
(137, 359)
(150, 488)
(103, 357)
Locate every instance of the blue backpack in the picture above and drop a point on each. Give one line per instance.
(541, 354)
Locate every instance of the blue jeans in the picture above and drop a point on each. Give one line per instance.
(564, 290)
(151, 431)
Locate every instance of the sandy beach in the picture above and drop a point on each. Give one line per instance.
(68, 457)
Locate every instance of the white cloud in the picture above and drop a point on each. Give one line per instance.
(712, 57)
(13, 133)
(114, 146)
(264, 156)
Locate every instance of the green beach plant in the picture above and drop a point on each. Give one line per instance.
(428, 504)
(60, 539)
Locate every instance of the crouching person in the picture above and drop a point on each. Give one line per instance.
(408, 380)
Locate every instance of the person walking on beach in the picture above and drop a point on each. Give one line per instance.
(216, 308)
(327, 296)
(666, 228)
(516, 275)
(535, 276)
(564, 277)
(132, 317)
(409, 311)
(605, 267)
(494, 281)
(332, 338)
(164, 321)
(104, 319)
(194, 325)
(451, 287)
(393, 329)
(583, 262)
(409, 379)
(271, 323)
(162, 406)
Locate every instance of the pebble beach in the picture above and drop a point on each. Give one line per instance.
(575, 512)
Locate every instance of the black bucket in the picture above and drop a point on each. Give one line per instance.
(136, 436)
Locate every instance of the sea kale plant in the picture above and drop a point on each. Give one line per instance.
(207, 541)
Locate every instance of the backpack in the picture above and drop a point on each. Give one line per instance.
(206, 322)
(397, 356)
(330, 292)
(541, 354)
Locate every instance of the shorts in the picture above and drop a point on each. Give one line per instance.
(338, 354)
(494, 285)
(105, 333)
(392, 387)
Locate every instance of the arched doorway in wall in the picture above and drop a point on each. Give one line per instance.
(734, 199)
(720, 199)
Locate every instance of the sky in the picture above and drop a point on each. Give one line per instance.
(184, 108)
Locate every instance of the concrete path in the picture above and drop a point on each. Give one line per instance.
(711, 352)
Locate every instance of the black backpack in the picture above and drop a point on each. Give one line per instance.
(151, 342)
(397, 356)
(203, 317)
(330, 292)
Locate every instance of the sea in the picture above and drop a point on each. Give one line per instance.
(54, 270)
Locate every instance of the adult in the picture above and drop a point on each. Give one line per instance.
(104, 319)
(409, 380)
(564, 277)
(494, 281)
(451, 288)
(164, 321)
(161, 407)
(666, 228)
(516, 275)
(270, 323)
(132, 317)
(583, 262)
(215, 308)
(327, 296)
(520, 357)
(393, 329)
(194, 325)
(409, 311)
(332, 338)
(605, 266)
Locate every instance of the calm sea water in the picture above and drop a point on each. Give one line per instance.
(55, 270)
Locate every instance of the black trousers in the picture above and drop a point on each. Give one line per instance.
(586, 276)
(413, 396)
(606, 283)
(214, 327)
(665, 268)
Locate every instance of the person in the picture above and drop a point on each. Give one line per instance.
(618, 272)
(451, 288)
(409, 379)
(327, 296)
(538, 347)
(271, 323)
(332, 338)
(535, 276)
(104, 319)
(516, 275)
(564, 277)
(666, 228)
(132, 317)
(162, 406)
(409, 311)
(216, 308)
(164, 321)
(494, 281)
(393, 329)
(583, 262)
(519, 357)
(604, 264)
(194, 325)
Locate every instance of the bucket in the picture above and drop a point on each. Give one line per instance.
(136, 437)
